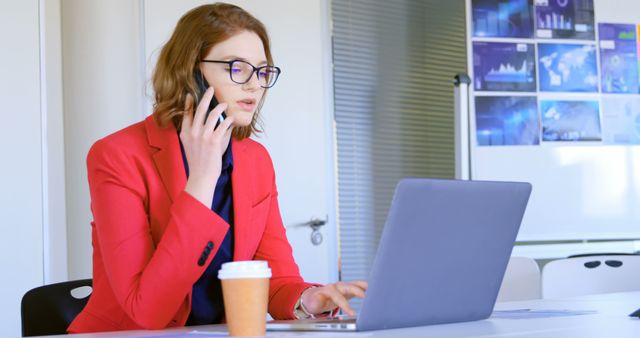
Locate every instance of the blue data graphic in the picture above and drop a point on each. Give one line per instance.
(502, 18)
(570, 120)
(618, 58)
(507, 120)
(621, 120)
(504, 66)
(556, 15)
(567, 68)
(565, 19)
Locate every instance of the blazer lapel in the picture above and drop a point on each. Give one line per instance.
(241, 185)
(168, 162)
(168, 158)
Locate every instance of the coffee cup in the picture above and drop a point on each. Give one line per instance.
(245, 291)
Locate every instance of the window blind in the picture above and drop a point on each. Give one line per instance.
(394, 63)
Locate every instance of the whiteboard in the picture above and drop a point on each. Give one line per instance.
(581, 190)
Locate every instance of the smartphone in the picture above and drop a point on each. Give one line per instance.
(202, 87)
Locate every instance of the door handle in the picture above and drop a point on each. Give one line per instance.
(315, 224)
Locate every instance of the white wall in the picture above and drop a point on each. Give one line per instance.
(103, 86)
(33, 250)
(21, 173)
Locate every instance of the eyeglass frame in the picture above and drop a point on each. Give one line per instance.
(255, 70)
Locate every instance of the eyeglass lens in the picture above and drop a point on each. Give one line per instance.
(241, 72)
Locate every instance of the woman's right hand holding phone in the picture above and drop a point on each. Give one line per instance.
(204, 145)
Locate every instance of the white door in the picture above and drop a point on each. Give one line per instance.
(297, 117)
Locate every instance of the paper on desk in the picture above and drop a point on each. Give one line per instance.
(530, 313)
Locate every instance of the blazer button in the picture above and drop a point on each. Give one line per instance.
(207, 249)
(203, 259)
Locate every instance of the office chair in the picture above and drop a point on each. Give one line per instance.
(590, 274)
(521, 280)
(49, 309)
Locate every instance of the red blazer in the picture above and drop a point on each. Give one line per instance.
(148, 233)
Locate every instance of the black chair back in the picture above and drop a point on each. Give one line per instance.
(49, 309)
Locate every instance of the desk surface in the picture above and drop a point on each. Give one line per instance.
(607, 316)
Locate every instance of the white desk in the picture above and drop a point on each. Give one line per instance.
(611, 320)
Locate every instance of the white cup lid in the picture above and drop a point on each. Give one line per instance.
(244, 269)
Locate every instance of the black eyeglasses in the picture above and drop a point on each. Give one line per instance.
(241, 72)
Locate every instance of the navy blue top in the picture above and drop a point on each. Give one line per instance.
(206, 301)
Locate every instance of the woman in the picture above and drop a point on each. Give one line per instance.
(175, 196)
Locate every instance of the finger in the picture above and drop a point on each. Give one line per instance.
(188, 103)
(227, 124)
(228, 130)
(339, 300)
(350, 290)
(203, 105)
(214, 115)
(362, 284)
(355, 291)
(187, 118)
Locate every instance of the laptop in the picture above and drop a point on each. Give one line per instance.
(441, 258)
